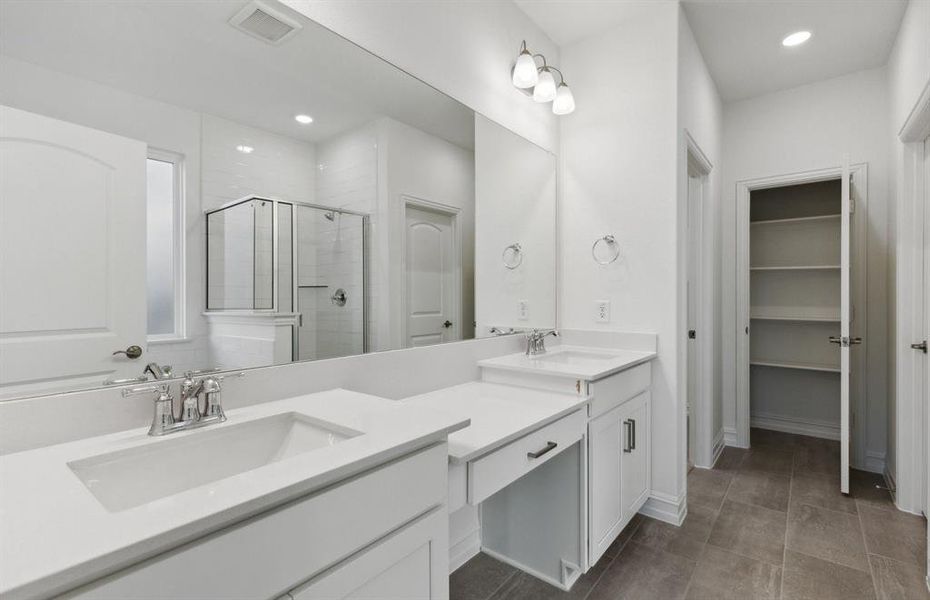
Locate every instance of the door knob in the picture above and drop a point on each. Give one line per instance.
(130, 352)
(447, 324)
(922, 346)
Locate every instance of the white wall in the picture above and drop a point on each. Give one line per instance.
(803, 129)
(700, 112)
(619, 176)
(908, 78)
(464, 49)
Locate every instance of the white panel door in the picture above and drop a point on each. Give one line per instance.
(845, 340)
(431, 265)
(605, 447)
(72, 252)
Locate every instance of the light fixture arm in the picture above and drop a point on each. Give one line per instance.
(561, 77)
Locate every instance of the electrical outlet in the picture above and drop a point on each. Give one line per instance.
(523, 310)
(602, 311)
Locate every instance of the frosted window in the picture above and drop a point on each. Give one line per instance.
(160, 246)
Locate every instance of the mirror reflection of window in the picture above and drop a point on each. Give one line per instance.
(163, 270)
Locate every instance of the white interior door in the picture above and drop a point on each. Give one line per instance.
(845, 339)
(431, 266)
(72, 252)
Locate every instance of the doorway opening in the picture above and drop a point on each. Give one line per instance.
(800, 287)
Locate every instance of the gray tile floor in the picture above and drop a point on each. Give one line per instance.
(768, 522)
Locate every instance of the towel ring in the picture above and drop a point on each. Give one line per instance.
(612, 244)
(513, 256)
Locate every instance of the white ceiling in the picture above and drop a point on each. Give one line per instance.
(185, 53)
(741, 39)
(568, 21)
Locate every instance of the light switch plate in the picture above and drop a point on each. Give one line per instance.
(523, 310)
(602, 311)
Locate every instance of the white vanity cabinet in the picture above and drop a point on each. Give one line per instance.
(381, 533)
(618, 455)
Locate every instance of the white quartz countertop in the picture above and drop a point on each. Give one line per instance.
(499, 413)
(54, 534)
(574, 362)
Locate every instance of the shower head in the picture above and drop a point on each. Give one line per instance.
(330, 216)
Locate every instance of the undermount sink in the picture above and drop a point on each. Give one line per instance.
(573, 357)
(129, 478)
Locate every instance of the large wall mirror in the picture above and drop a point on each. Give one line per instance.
(197, 185)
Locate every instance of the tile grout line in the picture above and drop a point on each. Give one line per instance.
(613, 559)
(865, 546)
(784, 552)
(503, 583)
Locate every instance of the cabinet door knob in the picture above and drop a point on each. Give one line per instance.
(447, 324)
(130, 352)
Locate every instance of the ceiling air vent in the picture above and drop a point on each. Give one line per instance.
(265, 23)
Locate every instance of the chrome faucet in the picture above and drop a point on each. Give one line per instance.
(536, 341)
(157, 371)
(165, 421)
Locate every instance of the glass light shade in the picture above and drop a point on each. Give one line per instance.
(564, 102)
(545, 87)
(524, 72)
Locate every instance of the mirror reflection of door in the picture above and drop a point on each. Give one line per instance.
(432, 264)
(69, 196)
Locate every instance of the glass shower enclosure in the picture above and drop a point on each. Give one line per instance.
(279, 258)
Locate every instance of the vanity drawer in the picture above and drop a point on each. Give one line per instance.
(615, 390)
(491, 473)
(294, 542)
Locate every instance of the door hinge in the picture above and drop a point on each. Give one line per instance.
(692, 334)
(852, 203)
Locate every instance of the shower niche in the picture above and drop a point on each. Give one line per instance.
(285, 282)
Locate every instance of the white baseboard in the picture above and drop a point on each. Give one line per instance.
(729, 436)
(666, 508)
(874, 462)
(890, 483)
(809, 427)
(719, 445)
(464, 550)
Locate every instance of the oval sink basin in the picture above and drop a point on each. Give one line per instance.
(136, 476)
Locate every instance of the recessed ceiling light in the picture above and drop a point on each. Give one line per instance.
(245, 149)
(796, 39)
(304, 119)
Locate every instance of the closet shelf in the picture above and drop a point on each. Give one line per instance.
(764, 316)
(794, 220)
(798, 268)
(794, 365)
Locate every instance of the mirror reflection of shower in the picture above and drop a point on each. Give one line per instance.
(320, 250)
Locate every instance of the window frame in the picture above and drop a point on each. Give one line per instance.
(178, 262)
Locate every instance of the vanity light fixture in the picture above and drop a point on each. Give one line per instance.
(304, 119)
(796, 39)
(245, 149)
(537, 80)
(524, 74)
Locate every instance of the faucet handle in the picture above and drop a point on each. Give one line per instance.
(160, 388)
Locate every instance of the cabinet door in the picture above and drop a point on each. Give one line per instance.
(411, 564)
(634, 469)
(604, 485)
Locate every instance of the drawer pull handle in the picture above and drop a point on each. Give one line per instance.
(633, 444)
(549, 447)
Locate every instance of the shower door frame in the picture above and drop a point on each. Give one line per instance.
(295, 350)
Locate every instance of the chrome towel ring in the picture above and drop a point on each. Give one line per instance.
(513, 256)
(610, 251)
